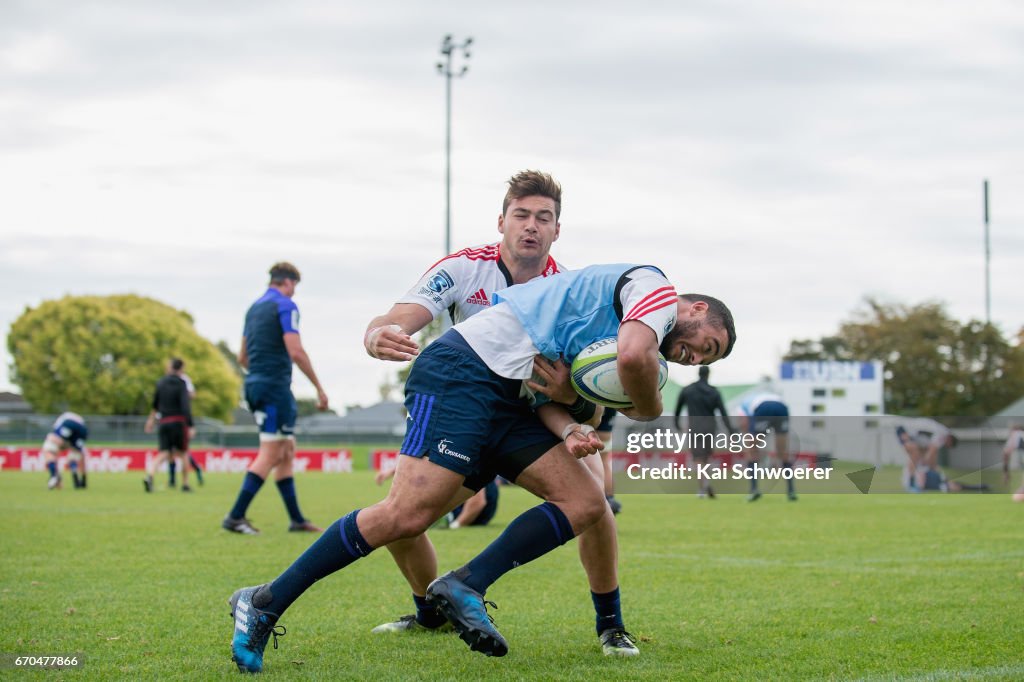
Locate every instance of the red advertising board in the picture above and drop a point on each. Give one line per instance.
(384, 460)
(213, 460)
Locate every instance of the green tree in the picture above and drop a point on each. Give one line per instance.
(231, 357)
(104, 354)
(934, 365)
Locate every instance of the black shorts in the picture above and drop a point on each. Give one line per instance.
(173, 436)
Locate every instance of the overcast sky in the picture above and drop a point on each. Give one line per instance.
(789, 157)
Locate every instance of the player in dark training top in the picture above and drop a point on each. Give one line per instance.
(270, 344)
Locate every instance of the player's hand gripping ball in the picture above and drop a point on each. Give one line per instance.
(595, 374)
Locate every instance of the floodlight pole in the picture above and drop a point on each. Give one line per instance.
(988, 259)
(445, 69)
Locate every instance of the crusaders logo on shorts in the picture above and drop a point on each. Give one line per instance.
(443, 448)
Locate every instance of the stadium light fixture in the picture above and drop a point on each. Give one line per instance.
(449, 48)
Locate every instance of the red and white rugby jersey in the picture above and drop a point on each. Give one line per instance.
(464, 282)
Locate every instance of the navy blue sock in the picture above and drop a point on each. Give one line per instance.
(336, 548)
(427, 614)
(250, 486)
(532, 534)
(286, 486)
(52, 468)
(790, 486)
(753, 481)
(608, 609)
(172, 470)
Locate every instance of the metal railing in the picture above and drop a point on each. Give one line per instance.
(30, 428)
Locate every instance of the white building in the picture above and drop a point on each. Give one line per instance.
(812, 388)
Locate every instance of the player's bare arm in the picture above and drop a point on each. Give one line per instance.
(243, 356)
(293, 344)
(388, 336)
(580, 439)
(638, 370)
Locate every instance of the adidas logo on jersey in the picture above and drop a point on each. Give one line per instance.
(479, 298)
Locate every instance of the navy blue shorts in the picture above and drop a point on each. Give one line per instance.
(73, 433)
(273, 406)
(467, 419)
(771, 414)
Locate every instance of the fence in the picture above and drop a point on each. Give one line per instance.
(32, 428)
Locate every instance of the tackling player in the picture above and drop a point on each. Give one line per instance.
(463, 284)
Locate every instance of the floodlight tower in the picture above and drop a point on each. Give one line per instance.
(448, 48)
(988, 260)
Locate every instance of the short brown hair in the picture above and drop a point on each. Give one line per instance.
(279, 272)
(531, 183)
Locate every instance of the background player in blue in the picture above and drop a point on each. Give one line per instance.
(760, 414)
(270, 344)
(462, 285)
(478, 510)
(69, 433)
(922, 438)
(463, 396)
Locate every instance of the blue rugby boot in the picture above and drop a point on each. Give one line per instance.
(252, 630)
(467, 611)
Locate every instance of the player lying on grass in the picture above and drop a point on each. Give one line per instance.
(465, 413)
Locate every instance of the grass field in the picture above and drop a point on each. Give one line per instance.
(850, 587)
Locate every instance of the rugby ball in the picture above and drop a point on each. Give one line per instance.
(595, 375)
